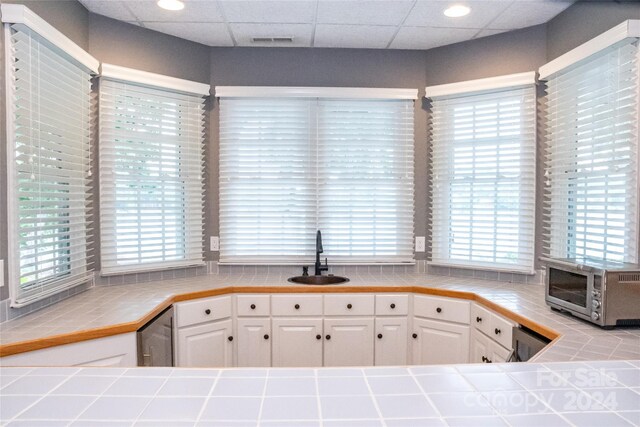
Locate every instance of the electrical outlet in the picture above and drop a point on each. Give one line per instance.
(214, 244)
(420, 244)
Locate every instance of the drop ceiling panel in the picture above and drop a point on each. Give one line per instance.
(301, 34)
(112, 9)
(208, 33)
(294, 12)
(194, 11)
(527, 13)
(363, 12)
(431, 14)
(427, 38)
(353, 36)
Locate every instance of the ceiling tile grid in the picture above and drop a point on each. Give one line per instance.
(371, 24)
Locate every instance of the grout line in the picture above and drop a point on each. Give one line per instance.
(373, 398)
(399, 26)
(208, 398)
(264, 394)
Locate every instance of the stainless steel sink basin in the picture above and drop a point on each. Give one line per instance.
(318, 280)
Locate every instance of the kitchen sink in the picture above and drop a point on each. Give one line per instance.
(318, 280)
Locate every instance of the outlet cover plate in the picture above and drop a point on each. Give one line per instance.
(214, 244)
(420, 244)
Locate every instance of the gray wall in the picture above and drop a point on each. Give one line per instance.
(71, 19)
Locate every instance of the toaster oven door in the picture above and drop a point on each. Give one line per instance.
(569, 289)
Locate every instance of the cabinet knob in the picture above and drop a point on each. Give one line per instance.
(328, 337)
(253, 306)
(297, 306)
(484, 359)
(414, 336)
(266, 336)
(489, 361)
(497, 331)
(392, 306)
(207, 311)
(439, 310)
(349, 306)
(379, 336)
(230, 338)
(478, 319)
(318, 337)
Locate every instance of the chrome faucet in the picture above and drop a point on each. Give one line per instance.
(319, 268)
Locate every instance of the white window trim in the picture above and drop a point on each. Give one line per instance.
(627, 29)
(314, 92)
(470, 87)
(144, 78)
(19, 14)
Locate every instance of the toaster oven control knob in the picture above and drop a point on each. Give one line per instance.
(595, 304)
(595, 294)
(595, 315)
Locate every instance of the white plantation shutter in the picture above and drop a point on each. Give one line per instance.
(151, 177)
(483, 179)
(365, 179)
(591, 199)
(49, 120)
(267, 180)
(292, 165)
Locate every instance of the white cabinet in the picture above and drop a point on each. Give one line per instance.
(439, 342)
(254, 341)
(116, 350)
(205, 345)
(297, 342)
(391, 341)
(491, 336)
(348, 341)
(479, 348)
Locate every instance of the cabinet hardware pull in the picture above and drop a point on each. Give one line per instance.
(266, 336)
(497, 331)
(439, 310)
(349, 306)
(297, 306)
(253, 306)
(379, 336)
(414, 336)
(318, 337)
(478, 319)
(484, 359)
(328, 337)
(230, 338)
(392, 306)
(207, 311)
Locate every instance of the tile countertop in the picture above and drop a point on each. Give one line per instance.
(605, 393)
(105, 306)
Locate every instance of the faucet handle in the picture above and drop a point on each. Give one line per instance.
(305, 270)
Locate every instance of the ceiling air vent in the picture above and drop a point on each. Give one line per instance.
(271, 39)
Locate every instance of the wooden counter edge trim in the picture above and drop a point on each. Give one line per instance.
(133, 326)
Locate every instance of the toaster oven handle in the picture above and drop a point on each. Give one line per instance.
(572, 265)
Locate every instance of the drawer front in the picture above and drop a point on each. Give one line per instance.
(253, 305)
(441, 308)
(203, 310)
(349, 305)
(392, 305)
(481, 318)
(296, 305)
(501, 331)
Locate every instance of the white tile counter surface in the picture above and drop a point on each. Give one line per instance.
(516, 394)
(110, 305)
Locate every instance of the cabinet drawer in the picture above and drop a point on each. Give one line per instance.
(501, 331)
(392, 304)
(348, 305)
(481, 318)
(296, 305)
(253, 305)
(202, 310)
(440, 308)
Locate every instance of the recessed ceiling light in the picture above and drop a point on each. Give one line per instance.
(171, 4)
(456, 11)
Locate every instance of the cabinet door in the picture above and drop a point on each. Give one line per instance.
(254, 341)
(440, 342)
(479, 348)
(205, 345)
(348, 342)
(297, 342)
(498, 354)
(391, 341)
